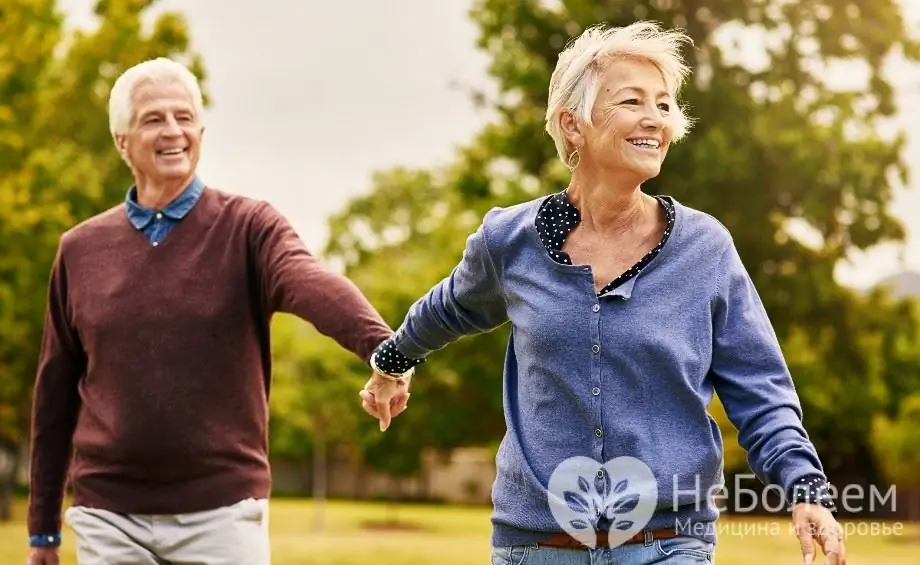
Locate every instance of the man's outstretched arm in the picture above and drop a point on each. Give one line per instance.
(294, 281)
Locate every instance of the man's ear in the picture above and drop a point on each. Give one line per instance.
(121, 142)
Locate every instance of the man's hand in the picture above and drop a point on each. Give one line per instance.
(814, 522)
(385, 397)
(43, 556)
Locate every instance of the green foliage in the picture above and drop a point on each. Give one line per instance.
(795, 169)
(314, 390)
(895, 443)
(735, 458)
(58, 165)
(775, 153)
(417, 230)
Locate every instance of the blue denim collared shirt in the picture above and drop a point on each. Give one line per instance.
(156, 224)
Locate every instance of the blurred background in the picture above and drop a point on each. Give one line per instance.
(385, 130)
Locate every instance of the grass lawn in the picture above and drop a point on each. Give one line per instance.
(458, 535)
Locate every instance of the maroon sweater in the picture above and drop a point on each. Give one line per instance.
(154, 374)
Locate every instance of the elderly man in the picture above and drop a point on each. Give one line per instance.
(155, 364)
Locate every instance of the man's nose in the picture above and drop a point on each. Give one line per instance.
(172, 126)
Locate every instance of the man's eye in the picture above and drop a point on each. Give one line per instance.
(664, 107)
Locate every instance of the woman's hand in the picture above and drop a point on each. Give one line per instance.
(385, 397)
(814, 522)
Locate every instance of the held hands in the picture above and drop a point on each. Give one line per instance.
(385, 397)
(814, 522)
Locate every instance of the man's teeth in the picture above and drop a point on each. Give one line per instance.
(653, 143)
(171, 151)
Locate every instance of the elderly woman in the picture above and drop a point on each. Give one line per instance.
(628, 311)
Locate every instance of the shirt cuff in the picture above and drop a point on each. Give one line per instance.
(389, 360)
(813, 489)
(45, 540)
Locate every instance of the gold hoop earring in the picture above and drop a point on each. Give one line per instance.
(573, 160)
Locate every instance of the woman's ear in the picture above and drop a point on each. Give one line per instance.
(571, 128)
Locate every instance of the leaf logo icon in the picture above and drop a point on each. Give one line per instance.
(622, 491)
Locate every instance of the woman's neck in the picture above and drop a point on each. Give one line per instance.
(609, 207)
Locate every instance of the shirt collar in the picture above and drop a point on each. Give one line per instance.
(140, 217)
(560, 202)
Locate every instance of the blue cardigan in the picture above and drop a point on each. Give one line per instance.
(605, 398)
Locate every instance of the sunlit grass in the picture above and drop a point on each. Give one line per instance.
(449, 535)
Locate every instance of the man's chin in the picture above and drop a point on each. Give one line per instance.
(171, 174)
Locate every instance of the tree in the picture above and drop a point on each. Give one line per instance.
(895, 447)
(795, 169)
(58, 165)
(417, 224)
(313, 407)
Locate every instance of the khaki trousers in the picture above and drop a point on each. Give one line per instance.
(233, 535)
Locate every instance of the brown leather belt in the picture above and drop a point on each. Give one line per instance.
(568, 542)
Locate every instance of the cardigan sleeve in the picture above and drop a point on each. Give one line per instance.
(753, 381)
(469, 301)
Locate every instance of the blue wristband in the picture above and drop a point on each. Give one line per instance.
(45, 540)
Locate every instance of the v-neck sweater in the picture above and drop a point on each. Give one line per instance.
(155, 366)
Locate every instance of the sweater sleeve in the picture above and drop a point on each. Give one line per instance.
(753, 381)
(294, 281)
(467, 302)
(55, 406)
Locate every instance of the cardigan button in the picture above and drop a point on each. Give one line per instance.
(596, 307)
(596, 348)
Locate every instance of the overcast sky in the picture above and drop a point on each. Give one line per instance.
(309, 97)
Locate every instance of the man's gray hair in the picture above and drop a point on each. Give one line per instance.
(574, 83)
(159, 71)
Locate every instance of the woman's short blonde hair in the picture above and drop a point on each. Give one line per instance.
(574, 83)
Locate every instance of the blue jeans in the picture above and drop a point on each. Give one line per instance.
(669, 551)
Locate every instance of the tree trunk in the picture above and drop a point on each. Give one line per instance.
(319, 476)
(6, 501)
(394, 496)
(10, 454)
(913, 507)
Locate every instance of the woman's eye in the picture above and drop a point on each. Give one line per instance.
(664, 107)
(631, 101)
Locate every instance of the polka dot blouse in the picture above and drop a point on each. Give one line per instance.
(558, 217)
